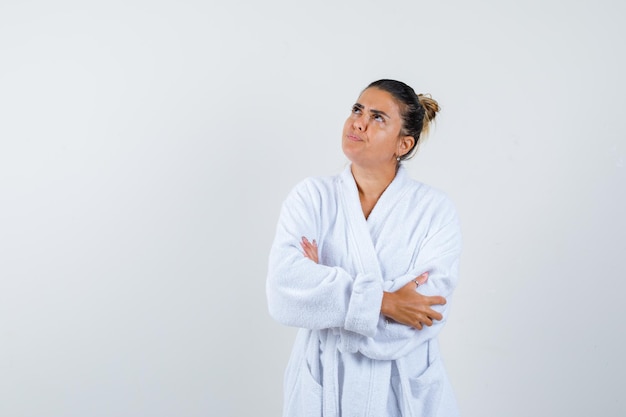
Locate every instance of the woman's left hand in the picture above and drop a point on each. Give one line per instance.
(309, 249)
(409, 307)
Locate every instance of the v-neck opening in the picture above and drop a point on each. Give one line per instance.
(388, 197)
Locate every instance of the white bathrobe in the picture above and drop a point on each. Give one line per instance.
(348, 360)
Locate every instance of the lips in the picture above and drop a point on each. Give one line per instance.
(353, 138)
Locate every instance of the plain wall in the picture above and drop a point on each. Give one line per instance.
(146, 147)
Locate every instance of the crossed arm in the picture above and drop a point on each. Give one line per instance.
(406, 305)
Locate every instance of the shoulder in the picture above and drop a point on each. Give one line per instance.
(429, 205)
(435, 209)
(320, 183)
(429, 196)
(314, 188)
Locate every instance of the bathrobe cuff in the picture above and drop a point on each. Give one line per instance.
(364, 307)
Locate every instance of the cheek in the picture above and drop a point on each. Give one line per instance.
(389, 143)
(347, 125)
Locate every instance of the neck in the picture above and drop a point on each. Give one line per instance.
(373, 181)
(371, 184)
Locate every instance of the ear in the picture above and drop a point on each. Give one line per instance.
(405, 145)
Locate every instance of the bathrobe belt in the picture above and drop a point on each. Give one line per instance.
(370, 384)
(364, 379)
(330, 379)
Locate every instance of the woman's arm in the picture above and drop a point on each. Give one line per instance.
(405, 306)
(439, 255)
(305, 294)
(409, 307)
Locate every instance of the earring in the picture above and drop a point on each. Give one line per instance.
(398, 158)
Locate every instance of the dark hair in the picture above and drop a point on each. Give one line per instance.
(417, 110)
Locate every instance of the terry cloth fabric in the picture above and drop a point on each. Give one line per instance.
(348, 360)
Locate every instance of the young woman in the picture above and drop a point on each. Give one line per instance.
(363, 263)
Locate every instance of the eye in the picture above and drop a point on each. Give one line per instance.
(378, 117)
(356, 110)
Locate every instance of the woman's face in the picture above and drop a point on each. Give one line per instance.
(371, 134)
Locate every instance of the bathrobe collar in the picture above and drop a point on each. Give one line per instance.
(361, 231)
(392, 194)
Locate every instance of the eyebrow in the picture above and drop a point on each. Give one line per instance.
(376, 112)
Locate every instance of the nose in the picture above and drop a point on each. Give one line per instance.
(360, 123)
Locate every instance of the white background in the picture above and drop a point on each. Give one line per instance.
(146, 147)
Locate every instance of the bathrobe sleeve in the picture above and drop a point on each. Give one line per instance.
(439, 255)
(304, 294)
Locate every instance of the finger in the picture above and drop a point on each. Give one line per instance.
(304, 246)
(421, 280)
(408, 286)
(419, 326)
(306, 249)
(435, 315)
(310, 250)
(306, 242)
(436, 299)
(427, 321)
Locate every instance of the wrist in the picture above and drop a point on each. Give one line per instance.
(386, 305)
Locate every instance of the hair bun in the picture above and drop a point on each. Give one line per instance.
(431, 108)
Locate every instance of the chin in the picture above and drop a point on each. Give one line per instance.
(354, 159)
(349, 153)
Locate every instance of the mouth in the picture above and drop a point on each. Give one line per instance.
(353, 138)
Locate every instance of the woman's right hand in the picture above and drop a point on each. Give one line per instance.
(309, 249)
(411, 308)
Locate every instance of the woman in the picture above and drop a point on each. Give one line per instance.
(363, 263)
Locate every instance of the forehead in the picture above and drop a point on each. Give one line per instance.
(376, 99)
